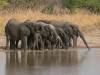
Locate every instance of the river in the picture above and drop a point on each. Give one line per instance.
(61, 62)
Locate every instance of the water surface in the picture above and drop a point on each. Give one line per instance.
(57, 62)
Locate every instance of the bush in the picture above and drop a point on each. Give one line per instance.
(92, 5)
(49, 9)
(3, 3)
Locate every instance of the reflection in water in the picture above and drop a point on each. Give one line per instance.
(39, 58)
(58, 62)
(2, 63)
(21, 62)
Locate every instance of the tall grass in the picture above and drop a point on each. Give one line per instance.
(84, 20)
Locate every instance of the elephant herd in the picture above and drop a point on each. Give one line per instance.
(42, 34)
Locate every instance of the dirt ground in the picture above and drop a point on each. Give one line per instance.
(93, 40)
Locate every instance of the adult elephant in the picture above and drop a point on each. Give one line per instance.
(38, 43)
(77, 33)
(64, 31)
(63, 36)
(71, 30)
(16, 31)
(35, 40)
(52, 37)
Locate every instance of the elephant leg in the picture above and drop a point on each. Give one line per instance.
(49, 44)
(66, 42)
(12, 44)
(35, 45)
(75, 41)
(29, 43)
(53, 45)
(70, 42)
(17, 44)
(7, 42)
(42, 44)
(46, 43)
(61, 44)
(58, 44)
(24, 42)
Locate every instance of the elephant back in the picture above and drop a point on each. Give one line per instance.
(11, 28)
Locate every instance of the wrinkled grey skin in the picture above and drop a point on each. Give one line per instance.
(16, 31)
(63, 36)
(38, 42)
(52, 37)
(11, 31)
(63, 32)
(72, 31)
(35, 40)
(77, 33)
(36, 36)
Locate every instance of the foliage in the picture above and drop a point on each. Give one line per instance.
(3, 3)
(92, 5)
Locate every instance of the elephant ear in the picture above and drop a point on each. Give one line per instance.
(29, 25)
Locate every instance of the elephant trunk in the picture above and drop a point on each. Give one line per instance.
(82, 37)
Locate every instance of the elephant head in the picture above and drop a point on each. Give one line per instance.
(82, 37)
(76, 33)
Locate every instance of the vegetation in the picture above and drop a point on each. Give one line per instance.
(85, 13)
(48, 5)
(86, 22)
(92, 5)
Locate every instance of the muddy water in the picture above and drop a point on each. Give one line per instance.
(58, 62)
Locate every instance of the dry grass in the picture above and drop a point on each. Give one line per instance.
(86, 21)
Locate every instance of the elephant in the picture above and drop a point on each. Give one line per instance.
(48, 34)
(71, 30)
(63, 32)
(11, 31)
(16, 31)
(63, 36)
(75, 33)
(35, 40)
(38, 42)
(78, 33)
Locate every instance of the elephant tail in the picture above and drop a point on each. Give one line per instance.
(82, 37)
